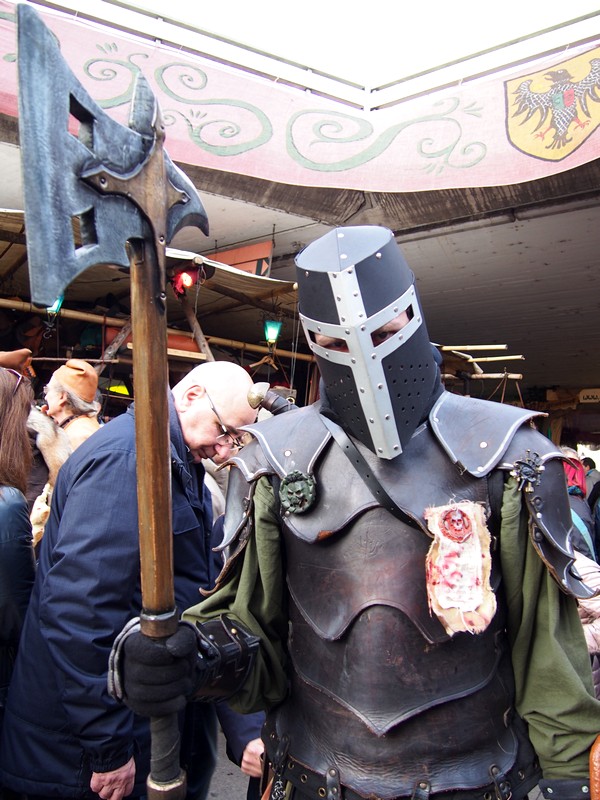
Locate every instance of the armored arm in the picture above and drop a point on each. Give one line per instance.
(226, 652)
(204, 661)
(537, 465)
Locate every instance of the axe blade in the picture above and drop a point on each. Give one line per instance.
(63, 134)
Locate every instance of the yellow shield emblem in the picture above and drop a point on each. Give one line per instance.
(550, 113)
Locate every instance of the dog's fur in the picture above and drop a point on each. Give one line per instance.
(55, 447)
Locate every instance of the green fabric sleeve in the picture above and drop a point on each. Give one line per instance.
(254, 595)
(554, 690)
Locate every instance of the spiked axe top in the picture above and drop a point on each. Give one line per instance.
(108, 176)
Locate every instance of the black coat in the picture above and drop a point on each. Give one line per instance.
(61, 724)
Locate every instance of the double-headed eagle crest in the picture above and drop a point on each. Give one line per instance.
(558, 119)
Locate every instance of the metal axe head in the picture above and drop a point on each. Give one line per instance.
(77, 164)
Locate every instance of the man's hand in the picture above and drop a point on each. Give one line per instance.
(158, 675)
(116, 784)
(251, 758)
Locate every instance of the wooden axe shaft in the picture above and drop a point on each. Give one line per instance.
(150, 380)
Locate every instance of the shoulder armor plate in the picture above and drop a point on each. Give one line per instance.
(476, 433)
(270, 454)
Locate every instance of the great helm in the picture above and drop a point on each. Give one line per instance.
(351, 282)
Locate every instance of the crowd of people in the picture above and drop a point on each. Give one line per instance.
(86, 582)
(406, 575)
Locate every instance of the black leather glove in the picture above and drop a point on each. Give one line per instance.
(159, 675)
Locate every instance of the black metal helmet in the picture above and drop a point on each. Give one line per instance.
(352, 282)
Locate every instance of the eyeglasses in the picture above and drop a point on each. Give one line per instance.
(18, 375)
(228, 437)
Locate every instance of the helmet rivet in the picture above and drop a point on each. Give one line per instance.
(338, 298)
(363, 327)
(377, 255)
(401, 337)
(319, 328)
(343, 256)
(355, 294)
(396, 310)
(350, 270)
(343, 319)
(347, 331)
(353, 360)
(371, 421)
(373, 356)
(387, 416)
(379, 450)
(396, 447)
(362, 390)
(483, 445)
(380, 385)
(340, 235)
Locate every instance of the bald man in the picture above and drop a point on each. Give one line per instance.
(82, 742)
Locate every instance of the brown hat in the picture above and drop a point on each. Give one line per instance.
(78, 377)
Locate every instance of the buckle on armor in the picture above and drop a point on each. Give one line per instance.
(332, 784)
(281, 755)
(501, 783)
(421, 791)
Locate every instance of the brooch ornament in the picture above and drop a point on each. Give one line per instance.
(528, 471)
(297, 492)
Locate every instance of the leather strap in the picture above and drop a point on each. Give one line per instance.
(364, 470)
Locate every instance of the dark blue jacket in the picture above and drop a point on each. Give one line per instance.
(17, 571)
(61, 724)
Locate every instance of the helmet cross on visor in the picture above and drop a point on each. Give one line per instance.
(361, 315)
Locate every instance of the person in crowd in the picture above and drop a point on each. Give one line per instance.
(64, 736)
(17, 563)
(589, 612)
(244, 746)
(70, 397)
(51, 448)
(399, 572)
(583, 538)
(72, 410)
(72, 417)
(592, 475)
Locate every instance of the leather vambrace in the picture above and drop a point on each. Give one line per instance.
(226, 653)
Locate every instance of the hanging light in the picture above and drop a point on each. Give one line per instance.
(272, 330)
(183, 279)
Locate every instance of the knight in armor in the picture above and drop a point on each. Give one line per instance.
(399, 592)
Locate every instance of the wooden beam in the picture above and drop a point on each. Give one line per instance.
(116, 322)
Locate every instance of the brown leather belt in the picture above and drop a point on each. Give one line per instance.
(311, 784)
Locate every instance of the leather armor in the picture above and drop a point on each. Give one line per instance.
(383, 701)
